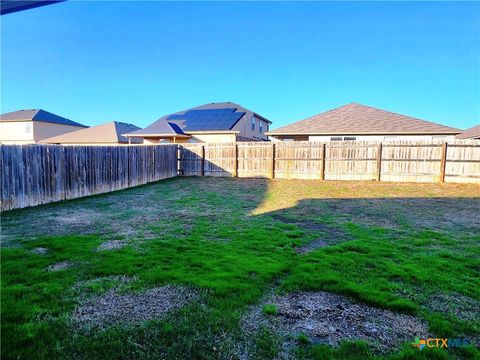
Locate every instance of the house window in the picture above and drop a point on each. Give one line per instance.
(260, 127)
(28, 128)
(253, 123)
(344, 138)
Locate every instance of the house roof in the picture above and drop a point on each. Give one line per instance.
(37, 115)
(472, 133)
(360, 119)
(214, 117)
(111, 132)
(11, 6)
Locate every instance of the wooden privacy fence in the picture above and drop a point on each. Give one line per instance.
(39, 174)
(404, 162)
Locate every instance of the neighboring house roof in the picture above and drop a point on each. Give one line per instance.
(360, 119)
(37, 115)
(472, 133)
(111, 132)
(11, 6)
(214, 117)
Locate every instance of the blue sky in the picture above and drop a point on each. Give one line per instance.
(135, 61)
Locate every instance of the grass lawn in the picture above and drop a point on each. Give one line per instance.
(413, 249)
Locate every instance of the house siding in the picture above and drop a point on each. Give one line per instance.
(15, 132)
(244, 128)
(207, 138)
(384, 137)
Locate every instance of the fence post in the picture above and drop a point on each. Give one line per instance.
(443, 162)
(203, 160)
(235, 161)
(179, 160)
(324, 154)
(379, 161)
(272, 175)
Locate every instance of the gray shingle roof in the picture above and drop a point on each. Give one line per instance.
(360, 119)
(209, 117)
(37, 115)
(471, 133)
(111, 132)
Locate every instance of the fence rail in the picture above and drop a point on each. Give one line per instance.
(38, 174)
(403, 162)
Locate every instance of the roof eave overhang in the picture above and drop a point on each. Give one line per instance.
(213, 132)
(50, 122)
(261, 117)
(361, 133)
(156, 135)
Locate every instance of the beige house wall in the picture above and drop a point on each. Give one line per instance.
(195, 138)
(30, 132)
(375, 138)
(244, 128)
(18, 132)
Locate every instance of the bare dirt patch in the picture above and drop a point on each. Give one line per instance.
(123, 309)
(39, 251)
(460, 306)
(116, 280)
(111, 245)
(330, 319)
(329, 234)
(60, 266)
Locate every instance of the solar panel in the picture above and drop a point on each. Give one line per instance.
(208, 119)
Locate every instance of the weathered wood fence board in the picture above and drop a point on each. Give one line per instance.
(393, 161)
(39, 174)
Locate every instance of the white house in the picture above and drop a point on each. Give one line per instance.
(358, 122)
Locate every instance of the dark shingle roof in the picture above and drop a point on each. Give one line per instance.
(111, 132)
(37, 115)
(472, 133)
(360, 119)
(209, 117)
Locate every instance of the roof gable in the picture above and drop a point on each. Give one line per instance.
(209, 117)
(38, 115)
(471, 133)
(360, 119)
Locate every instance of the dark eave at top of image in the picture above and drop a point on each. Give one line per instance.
(9, 6)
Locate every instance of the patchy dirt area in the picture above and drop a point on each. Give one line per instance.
(115, 280)
(460, 306)
(60, 266)
(330, 319)
(114, 308)
(39, 251)
(329, 234)
(112, 245)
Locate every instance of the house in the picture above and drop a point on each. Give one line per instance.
(215, 122)
(31, 126)
(472, 133)
(110, 133)
(363, 123)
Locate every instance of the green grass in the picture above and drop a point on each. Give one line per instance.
(220, 237)
(270, 309)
